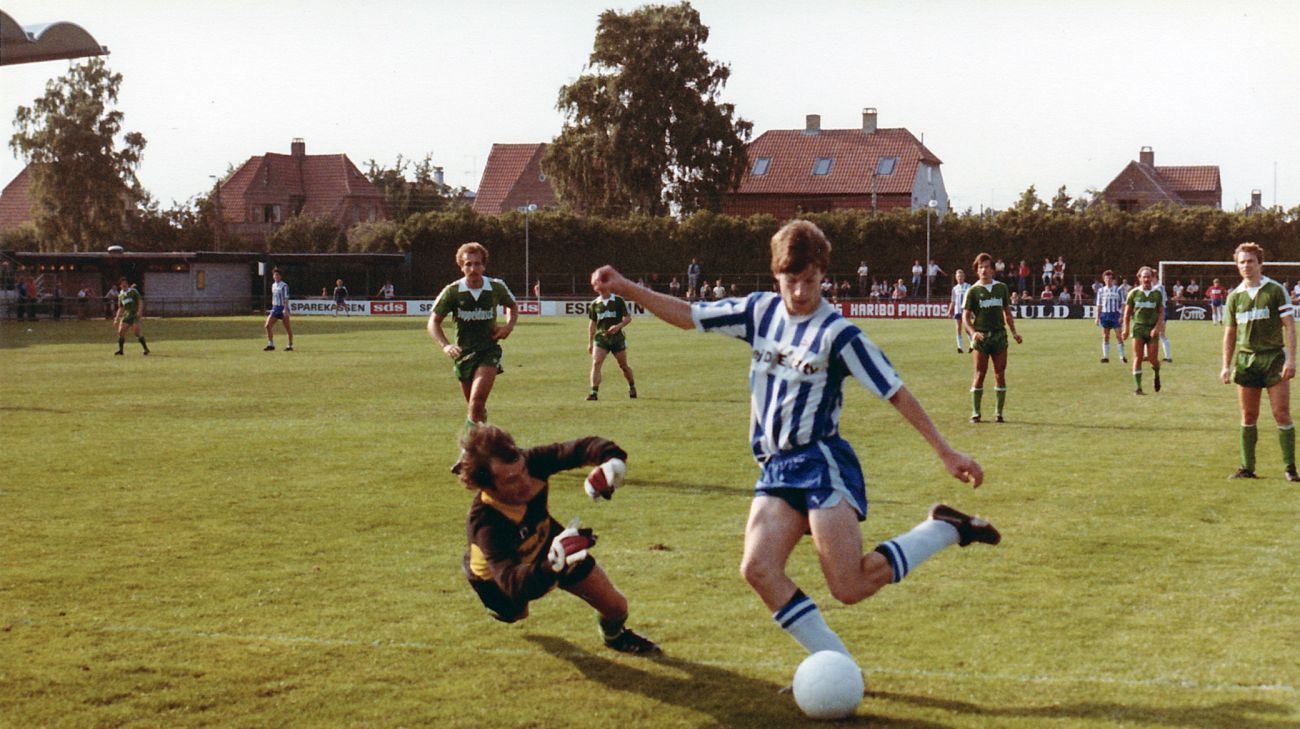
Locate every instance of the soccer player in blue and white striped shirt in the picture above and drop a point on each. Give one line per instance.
(802, 350)
(279, 310)
(957, 304)
(1110, 308)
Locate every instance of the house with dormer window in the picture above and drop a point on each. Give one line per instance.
(793, 171)
(269, 189)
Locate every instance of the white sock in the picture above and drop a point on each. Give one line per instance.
(1105, 350)
(906, 552)
(1121, 350)
(959, 341)
(804, 622)
(1164, 344)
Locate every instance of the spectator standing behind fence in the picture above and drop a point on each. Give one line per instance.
(1078, 292)
(900, 291)
(1193, 290)
(932, 272)
(1058, 271)
(719, 291)
(56, 309)
(917, 270)
(675, 288)
(110, 301)
(83, 302)
(20, 291)
(1023, 273)
(1000, 270)
(827, 287)
(1049, 270)
(864, 278)
(693, 275)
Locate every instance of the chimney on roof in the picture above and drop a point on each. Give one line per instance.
(298, 148)
(437, 176)
(869, 120)
(1256, 198)
(1147, 156)
(812, 124)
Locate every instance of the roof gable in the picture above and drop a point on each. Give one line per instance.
(854, 156)
(513, 175)
(16, 201)
(321, 181)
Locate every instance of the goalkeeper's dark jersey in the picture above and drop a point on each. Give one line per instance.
(508, 542)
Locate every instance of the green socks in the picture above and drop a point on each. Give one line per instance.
(1001, 393)
(1286, 436)
(1250, 436)
(1137, 379)
(976, 398)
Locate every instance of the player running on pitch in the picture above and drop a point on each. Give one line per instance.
(810, 480)
(988, 317)
(130, 311)
(1144, 316)
(472, 301)
(279, 310)
(957, 305)
(1110, 309)
(1259, 353)
(609, 316)
(517, 551)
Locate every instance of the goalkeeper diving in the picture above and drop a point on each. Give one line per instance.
(517, 551)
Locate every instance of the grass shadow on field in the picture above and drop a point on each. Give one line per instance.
(1143, 426)
(13, 335)
(730, 698)
(1243, 714)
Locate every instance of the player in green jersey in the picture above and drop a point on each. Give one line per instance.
(472, 301)
(1259, 353)
(1144, 316)
(130, 310)
(609, 316)
(987, 318)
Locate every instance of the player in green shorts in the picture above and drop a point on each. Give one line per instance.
(609, 316)
(1259, 354)
(130, 310)
(472, 301)
(987, 318)
(1144, 316)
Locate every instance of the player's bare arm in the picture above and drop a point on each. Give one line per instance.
(512, 318)
(1010, 319)
(591, 336)
(961, 466)
(435, 331)
(1288, 346)
(968, 321)
(1229, 346)
(665, 307)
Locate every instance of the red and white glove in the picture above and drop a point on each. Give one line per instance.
(603, 479)
(570, 547)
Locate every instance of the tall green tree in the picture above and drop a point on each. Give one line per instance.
(83, 180)
(412, 187)
(645, 131)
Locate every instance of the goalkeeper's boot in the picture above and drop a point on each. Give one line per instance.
(969, 528)
(629, 641)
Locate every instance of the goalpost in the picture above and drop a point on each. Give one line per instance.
(1194, 306)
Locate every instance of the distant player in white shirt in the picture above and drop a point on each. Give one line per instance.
(810, 480)
(957, 304)
(1110, 309)
(1164, 331)
(279, 310)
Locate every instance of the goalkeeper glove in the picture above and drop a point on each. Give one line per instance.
(570, 547)
(604, 478)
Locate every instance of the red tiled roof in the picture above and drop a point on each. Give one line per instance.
(16, 201)
(854, 154)
(322, 181)
(1191, 178)
(1158, 180)
(512, 176)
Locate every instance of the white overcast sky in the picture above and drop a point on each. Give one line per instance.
(1008, 93)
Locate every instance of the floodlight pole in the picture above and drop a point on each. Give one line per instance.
(527, 209)
(928, 261)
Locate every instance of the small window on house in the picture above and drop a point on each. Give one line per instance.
(275, 213)
(886, 165)
(372, 213)
(821, 167)
(760, 166)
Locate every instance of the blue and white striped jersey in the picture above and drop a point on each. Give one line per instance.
(1110, 299)
(797, 367)
(280, 294)
(958, 300)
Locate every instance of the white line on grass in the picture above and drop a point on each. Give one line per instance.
(955, 675)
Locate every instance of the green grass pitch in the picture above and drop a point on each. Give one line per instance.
(218, 536)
